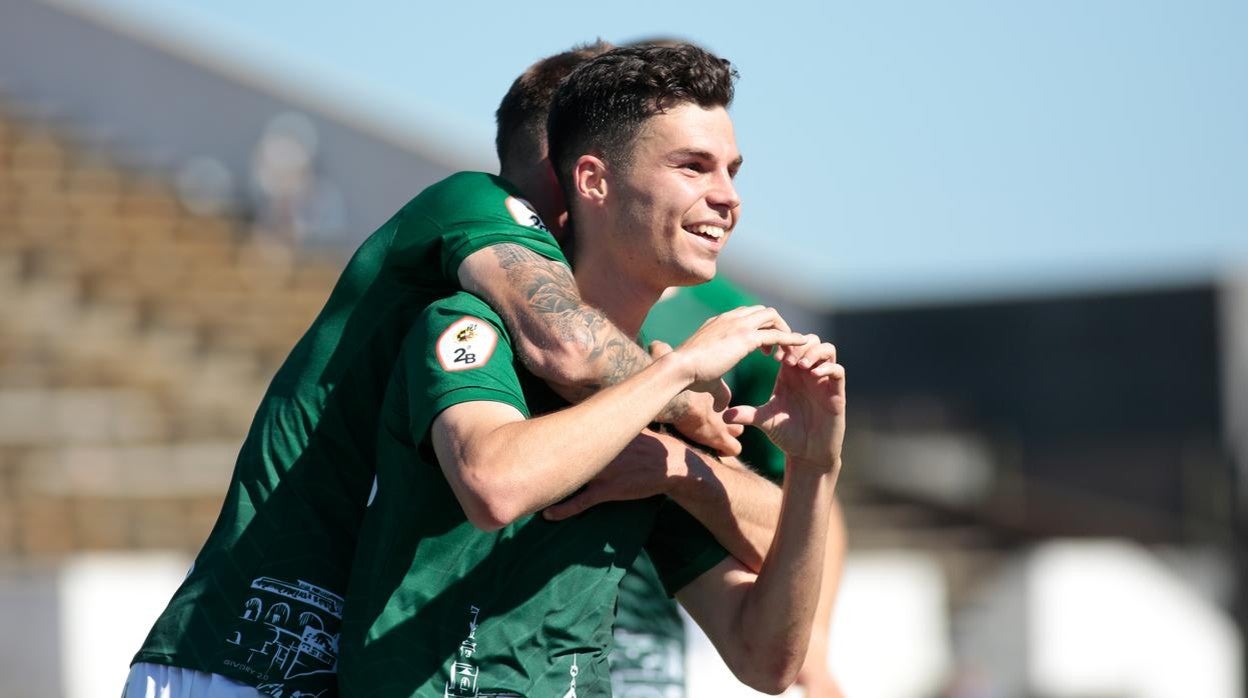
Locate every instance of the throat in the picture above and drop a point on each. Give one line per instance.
(624, 304)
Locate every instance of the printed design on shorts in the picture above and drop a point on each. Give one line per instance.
(287, 631)
(572, 672)
(524, 213)
(647, 666)
(468, 343)
(462, 682)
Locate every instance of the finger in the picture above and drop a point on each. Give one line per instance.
(820, 353)
(767, 317)
(572, 506)
(741, 414)
(728, 444)
(659, 348)
(797, 355)
(830, 370)
(737, 312)
(716, 388)
(736, 430)
(721, 395)
(769, 337)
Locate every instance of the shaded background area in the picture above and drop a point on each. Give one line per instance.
(1049, 348)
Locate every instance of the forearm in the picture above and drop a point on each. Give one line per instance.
(816, 667)
(777, 611)
(507, 470)
(740, 507)
(560, 339)
(833, 565)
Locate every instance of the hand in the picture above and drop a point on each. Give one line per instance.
(725, 339)
(699, 415)
(805, 416)
(643, 469)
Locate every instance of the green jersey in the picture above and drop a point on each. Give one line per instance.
(438, 607)
(263, 602)
(648, 660)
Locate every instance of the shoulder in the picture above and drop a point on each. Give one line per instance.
(460, 325)
(474, 197)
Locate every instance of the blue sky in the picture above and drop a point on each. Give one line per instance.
(895, 152)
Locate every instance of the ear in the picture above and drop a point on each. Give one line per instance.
(589, 179)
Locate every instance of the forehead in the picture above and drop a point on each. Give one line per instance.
(688, 127)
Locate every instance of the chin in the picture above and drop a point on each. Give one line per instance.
(696, 276)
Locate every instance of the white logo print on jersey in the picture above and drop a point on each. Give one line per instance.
(524, 213)
(572, 684)
(463, 679)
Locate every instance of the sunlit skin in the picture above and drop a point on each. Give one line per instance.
(665, 215)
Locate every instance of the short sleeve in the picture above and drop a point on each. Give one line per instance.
(680, 547)
(458, 351)
(462, 214)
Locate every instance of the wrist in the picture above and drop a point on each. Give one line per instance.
(678, 365)
(674, 367)
(814, 465)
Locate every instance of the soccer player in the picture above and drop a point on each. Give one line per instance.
(458, 589)
(260, 609)
(648, 659)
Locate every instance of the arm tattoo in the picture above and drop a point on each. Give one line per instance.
(550, 291)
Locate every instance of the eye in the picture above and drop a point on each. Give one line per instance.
(693, 166)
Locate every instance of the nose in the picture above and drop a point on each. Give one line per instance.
(723, 195)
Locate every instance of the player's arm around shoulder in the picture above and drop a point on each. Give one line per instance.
(502, 466)
(560, 338)
(505, 468)
(574, 346)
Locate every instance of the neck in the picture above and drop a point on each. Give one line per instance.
(625, 301)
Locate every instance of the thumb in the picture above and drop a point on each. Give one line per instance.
(741, 414)
(658, 348)
(571, 506)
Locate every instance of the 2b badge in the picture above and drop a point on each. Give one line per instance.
(468, 343)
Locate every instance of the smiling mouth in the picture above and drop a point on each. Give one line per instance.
(710, 232)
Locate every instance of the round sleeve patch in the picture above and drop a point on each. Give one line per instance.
(524, 213)
(468, 343)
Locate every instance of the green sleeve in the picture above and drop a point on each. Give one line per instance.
(458, 351)
(680, 547)
(463, 213)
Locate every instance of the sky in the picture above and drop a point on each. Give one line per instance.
(896, 152)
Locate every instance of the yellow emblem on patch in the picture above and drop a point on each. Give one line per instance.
(467, 343)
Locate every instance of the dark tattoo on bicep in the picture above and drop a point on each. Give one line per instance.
(549, 289)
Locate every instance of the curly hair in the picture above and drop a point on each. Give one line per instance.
(521, 116)
(601, 106)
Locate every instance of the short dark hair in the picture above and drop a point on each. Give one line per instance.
(601, 106)
(521, 116)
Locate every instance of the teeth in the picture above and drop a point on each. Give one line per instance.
(712, 231)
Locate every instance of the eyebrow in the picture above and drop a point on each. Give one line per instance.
(704, 155)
